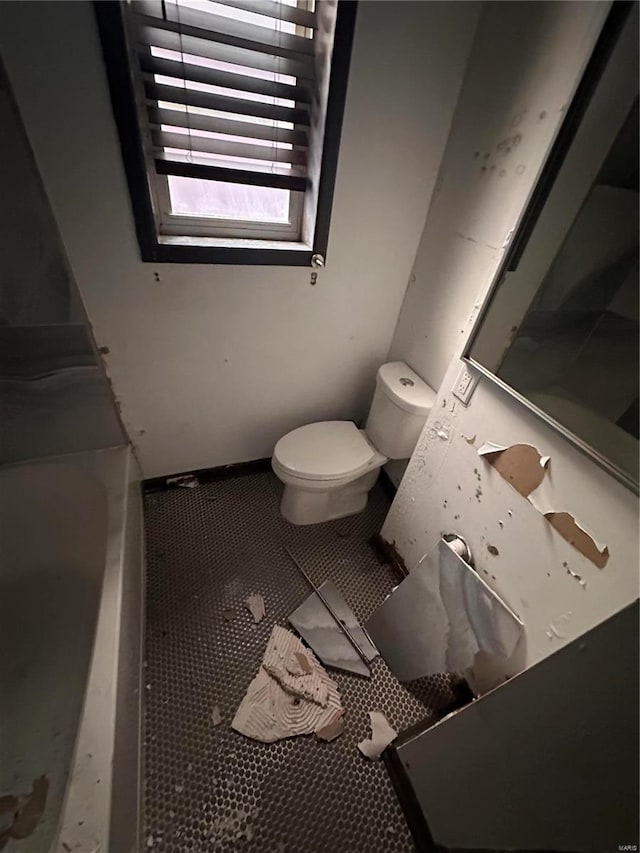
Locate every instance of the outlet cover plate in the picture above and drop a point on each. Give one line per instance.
(465, 383)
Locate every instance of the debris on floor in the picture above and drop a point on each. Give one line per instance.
(281, 663)
(381, 736)
(216, 716)
(303, 661)
(255, 606)
(332, 731)
(184, 481)
(228, 615)
(280, 703)
(346, 646)
(333, 632)
(232, 827)
(224, 551)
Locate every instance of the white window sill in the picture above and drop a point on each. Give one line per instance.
(237, 243)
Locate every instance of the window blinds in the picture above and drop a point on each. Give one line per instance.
(227, 88)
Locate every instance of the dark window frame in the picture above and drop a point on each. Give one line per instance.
(111, 30)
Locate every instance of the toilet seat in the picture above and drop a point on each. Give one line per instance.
(325, 451)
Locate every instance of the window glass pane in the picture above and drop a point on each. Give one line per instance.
(193, 197)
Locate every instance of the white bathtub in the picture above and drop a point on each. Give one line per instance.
(71, 603)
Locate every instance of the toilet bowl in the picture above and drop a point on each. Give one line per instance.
(328, 468)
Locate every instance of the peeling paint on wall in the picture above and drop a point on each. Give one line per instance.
(558, 628)
(440, 431)
(23, 811)
(575, 575)
(521, 465)
(578, 537)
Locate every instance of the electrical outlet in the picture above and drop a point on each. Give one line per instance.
(465, 384)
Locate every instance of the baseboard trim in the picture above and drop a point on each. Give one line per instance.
(209, 475)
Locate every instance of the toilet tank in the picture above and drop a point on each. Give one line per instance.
(400, 407)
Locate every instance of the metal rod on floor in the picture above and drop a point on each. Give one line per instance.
(339, 621)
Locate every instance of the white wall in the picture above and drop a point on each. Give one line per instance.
(212, 364)
(525, 63)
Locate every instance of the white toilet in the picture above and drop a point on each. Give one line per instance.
(328, 468)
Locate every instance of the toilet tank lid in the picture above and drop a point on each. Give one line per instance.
(405, 388)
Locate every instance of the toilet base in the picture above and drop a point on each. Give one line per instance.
(313, 506)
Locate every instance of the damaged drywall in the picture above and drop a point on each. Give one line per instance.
(438, 495)
(20, 815)
(578, 537)
(284, 699)
(441, 616)
(382, 734)
(332, 731)
(521, 465)
(303, 662)
(256, 607)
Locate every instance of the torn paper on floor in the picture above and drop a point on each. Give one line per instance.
(255, 606)
(284, 700)
(521, 465)
(381, 736)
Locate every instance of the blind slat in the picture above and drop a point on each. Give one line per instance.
(273, 9)
(192, 98)
(166, 139)
(172, 164)
(149, 35)
(214, 27)
(214, 77)
(208, 35)
(177, 118)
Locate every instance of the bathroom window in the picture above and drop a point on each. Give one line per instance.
(229, 115)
